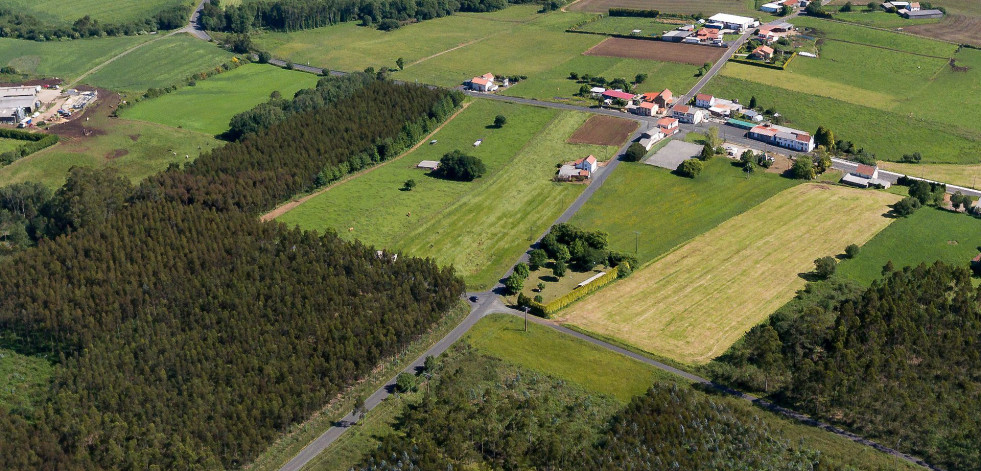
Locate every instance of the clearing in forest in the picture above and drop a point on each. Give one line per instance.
(693, 303)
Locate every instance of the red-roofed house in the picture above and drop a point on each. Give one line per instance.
(708, 34)
(482, 84)
(617, 94)
(915, 6)
(662, 99)
(646, 108)
(770, 33)
(668, 126)
(866, 171)
(703, 100)
(687, 114)
(783, 137)
(763, 53)
(588, 164)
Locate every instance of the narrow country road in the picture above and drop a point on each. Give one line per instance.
(194, 27)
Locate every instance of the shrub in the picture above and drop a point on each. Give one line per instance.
(405, 382)
(388, 25)
(690, 168)
(500, 120)
(824, 267)
(456, 165)
(906, 206)
(852, 250)
(634, 152)
(803, 168)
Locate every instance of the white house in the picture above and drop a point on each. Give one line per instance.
(589, 164)
(772, 7)
(687, 114)
(645, 108)
(651, 136)
(703, 100)
(735, 22)
(484, 83)
(668, 126)
(783, 137)
(571, 173)
(597, 92)
(865, 176)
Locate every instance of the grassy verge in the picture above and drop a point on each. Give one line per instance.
(300, 435)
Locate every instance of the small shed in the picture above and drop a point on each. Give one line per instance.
(428, 164)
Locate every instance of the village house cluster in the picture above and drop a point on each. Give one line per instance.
(712, 32)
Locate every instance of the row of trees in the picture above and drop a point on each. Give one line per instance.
(19, 25)
(291, 15)
(897, 362)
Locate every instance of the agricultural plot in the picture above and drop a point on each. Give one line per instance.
(168, 61)
(60, 13)
(208, 106)
(929, 235)
(479, 227)
(694, 302)
(959, 29)
(648, 211)
(874, 37)
(627, 24)
(961, 175)
(881, 19)
(657, 50)
(64, 59)
(603, 131)
(708, 7)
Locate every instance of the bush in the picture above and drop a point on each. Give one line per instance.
(500, 120)
(388, 25)
(906, 206)
(264, 57)
(458, 166)
(803, 168)
(690, 168)
(852, 250)
(913, 158)
(514, 283)
(405, 382)
(634, 153)
(409, 185)
(824, 267)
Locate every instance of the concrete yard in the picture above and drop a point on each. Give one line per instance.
(673, 154)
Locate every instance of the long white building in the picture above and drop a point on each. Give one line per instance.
(735, 22)
(785, 137)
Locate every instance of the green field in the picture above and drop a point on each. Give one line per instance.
(626, 25)
(208, 106)
(169, 61)
(875, 37)
(880, 19)
(10, 144)
(706, 7)
(692, 304)
(668, 210)
(479, 227)
(930, 234)
(22, 379)
(61, 13)
(65, 59)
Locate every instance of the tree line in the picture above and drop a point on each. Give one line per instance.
(19, 25)
(898, 362)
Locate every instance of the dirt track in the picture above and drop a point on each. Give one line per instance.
(656, 50)
(603, 131)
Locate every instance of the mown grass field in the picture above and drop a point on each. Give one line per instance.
(22, 379)
(64, 59)
(61, 13)
(875, 37)
(968, 176)
(668, 210)
(626, 25)
(929, 235)
(707, 7)
(694, 302)
(880, 18)
(208, 106)
(169, 61)
(479, 227)
(10, 144)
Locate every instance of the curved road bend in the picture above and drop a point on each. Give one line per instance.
(194, 27)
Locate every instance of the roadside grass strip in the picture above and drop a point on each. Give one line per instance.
(693, 303)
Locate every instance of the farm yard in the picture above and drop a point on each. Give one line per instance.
(653, 211)
(603, 131)
(60, 13)
(656, 50)
(926, 236)
(480, 227)
(709, 7)
(694, 302)
(208, 106)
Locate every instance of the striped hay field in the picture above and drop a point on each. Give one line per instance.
(695, 302)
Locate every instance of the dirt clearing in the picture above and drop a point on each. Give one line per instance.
(954, 28)
(603, 131)
(693, 54)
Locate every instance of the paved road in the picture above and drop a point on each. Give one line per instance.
(194, 27)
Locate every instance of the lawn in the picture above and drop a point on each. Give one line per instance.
(961, 175)
(873, 129)
(480, 227)
(22, 379)
(208, 106)
(694, 302)
(61, 13)
(879, 18)
(65, 59)
(650, 209)
(930, 234)
(706, 7)
(169, 61)
(875, 37)
(626, 25)
(7, 145)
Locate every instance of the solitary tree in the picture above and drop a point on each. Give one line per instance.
(824, 267)
(852, 250)
(541, 286)
(847, 7)
(906, 206)
(640, 78)
(634, 152)
(409, 184)
(500, 120)
(400, 63)
(707, 153)
(713, 137)
(752, 102)
(456, 165)
(747, 157)
(749, 167)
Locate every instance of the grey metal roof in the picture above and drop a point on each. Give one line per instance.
(18, 102)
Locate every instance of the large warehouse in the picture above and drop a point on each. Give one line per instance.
(735, 22)
(16, 103)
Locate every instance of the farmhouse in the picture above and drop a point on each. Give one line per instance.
(588, 164)
(783, 137)
(675, 36)
(708, 35)
(770, 33)
(687, 114)
(484, 83)
(772, 7)
(865, 176)
(921, 14)
(738, 23)
(703, 100)
(645, 108)
(764, 53)
(915, 6)
(668, 126)
(569, 173)
(662, 100)
(428, 164)
(618, 95)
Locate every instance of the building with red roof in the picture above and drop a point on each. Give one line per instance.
(781, 136)
(617, 94)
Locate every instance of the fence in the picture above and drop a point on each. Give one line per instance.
(550, 308)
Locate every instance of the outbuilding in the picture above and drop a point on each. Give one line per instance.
(428, 164)
(734, 22)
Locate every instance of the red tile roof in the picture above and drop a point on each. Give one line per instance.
(666, 94)
(591, 159)
(620, 95)
(763, 50)
(479, 81)
(488, 76)
(666, 122)
(648, 105)
(865, 169)
(977, 258)
(682, 108)
(704, 97)
(803, 137)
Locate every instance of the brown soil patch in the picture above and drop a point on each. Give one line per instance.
(604, 131)
(656, 50)
(954, 28)
(781, 164)
(116, 154)
(134, 137)
(78, 127)
(952, 242)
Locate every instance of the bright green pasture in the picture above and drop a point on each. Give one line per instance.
(668, 210)
(887, 134)
(626, 25)
(60, 12)
(348, 46)
(169, 61)
(876, 37)
(65, 59)
(880, 19)
(208, 106)
(22, 379)
(929, 235)
(555, 83)
(480, 227)
(7, 145)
